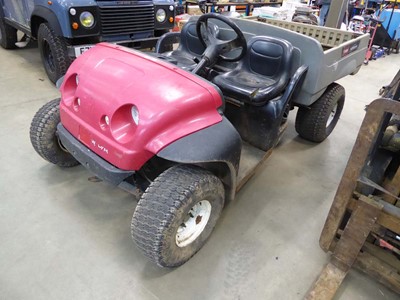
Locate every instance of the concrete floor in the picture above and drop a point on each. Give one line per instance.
(64, 237)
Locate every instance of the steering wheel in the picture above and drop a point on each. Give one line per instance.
(216, 47)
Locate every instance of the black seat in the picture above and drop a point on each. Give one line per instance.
(190, 48)
(262, 74)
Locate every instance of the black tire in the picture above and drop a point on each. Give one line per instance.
(314, 123)
(8, 35)
(53, 51)
(166, 205)
(43, 134)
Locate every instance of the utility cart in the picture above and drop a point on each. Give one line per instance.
(186, 129)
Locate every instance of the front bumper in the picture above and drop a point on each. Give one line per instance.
(91, 161)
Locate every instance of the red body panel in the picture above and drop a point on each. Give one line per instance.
(172, 103)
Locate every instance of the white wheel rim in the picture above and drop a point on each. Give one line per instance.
(332, 115)
(194, 223)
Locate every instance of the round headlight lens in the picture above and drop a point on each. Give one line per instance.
(161, 15)
(87, 19)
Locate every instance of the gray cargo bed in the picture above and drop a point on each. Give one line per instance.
(330, 54)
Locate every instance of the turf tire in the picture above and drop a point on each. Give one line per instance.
(164, 207)
(43, 135)
(312, 122)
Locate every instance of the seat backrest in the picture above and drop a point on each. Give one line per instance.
(190, 42)
(269, 57)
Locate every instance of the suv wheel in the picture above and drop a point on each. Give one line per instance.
(8, 35)
(54, 53)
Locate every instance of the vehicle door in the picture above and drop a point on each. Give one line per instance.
(18, 11)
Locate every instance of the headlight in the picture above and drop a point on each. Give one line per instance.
(135, 114)
(161, 15)
(87, 19)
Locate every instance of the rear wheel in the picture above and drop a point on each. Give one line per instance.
(177, 214)
(54, 53)
(315, 123)
(43, 134)
(396, 47)
(8, 35)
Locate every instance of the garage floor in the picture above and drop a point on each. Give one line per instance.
(65, 237)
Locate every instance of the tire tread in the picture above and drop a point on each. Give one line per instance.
(42, 135)
(311, 122)
(9, 37)
(58, 46)
(160, 202)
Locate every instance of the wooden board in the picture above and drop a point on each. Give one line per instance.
(251, 158)
(367, 137)
(347, 249)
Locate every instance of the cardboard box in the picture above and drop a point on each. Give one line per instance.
(194, 10)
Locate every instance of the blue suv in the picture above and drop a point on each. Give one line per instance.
(64, 29)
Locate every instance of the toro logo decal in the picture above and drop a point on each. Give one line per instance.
(350, 48)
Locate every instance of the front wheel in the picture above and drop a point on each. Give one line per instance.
(44, 139)
(177, 214)
(54, 52)
(316, 123)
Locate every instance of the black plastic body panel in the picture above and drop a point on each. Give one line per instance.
(90, 160)
(217, 148)
(47, 15)
(260, 126)
(169, 14)
(82, 31)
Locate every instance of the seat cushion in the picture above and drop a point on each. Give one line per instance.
(183, 59)
(246, 86)
(262, 74)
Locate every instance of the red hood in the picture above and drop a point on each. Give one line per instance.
(172, 103)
